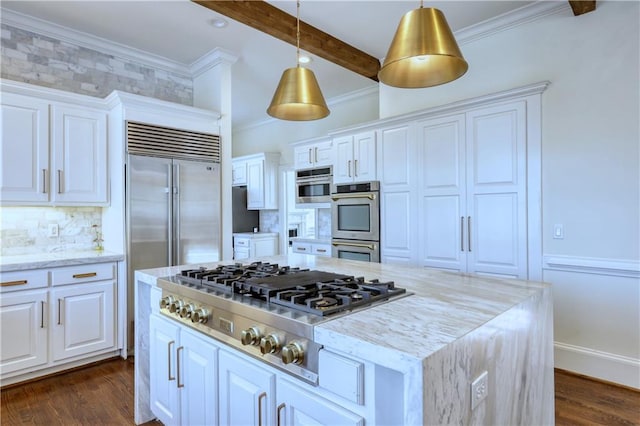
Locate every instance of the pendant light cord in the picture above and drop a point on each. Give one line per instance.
(421, 5)
(298, 33)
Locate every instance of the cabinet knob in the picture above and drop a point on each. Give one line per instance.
(200, 316)
(269, 344)
(250, 336)
(293, 353)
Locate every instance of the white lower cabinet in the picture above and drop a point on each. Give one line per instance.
(249, 245)
(183, 388)
(82, 319)
(299, 407)
(247, 392)
(24, 330)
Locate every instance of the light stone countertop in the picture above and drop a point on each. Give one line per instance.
(51, 260)
(255, 234)
(442, 307)
(311, 240)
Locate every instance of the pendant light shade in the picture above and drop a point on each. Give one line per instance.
(298, 97)
(423, 52)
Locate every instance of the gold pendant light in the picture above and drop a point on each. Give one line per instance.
(298, 96)
(423, 52)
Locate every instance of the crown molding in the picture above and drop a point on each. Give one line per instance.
(88, 41)
(511, 19)
(211, 59)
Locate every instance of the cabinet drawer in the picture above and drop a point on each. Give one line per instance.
(82, 273)
(321, 249)
(241, 242)
(23, 280)
(304, 248)
(241, 253)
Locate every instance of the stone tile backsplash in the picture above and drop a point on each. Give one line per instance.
(25, 230)
(37, 59)
(324, 224)
(269, 221)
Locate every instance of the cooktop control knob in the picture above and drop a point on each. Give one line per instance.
(292, 353)
(186, 310)
(200, 315)
(269, 344)
(250, 336)
(166, 301)
(175, 306)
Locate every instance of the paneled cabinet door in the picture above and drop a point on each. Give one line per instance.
(24, 176)
(83, 319)
(163, 395)
(24, 330)
(343, 167)
(313, 155)
(79, 160)
(239, 173)
(255, 184)
(355, 158)
(197, 380)
(247, 392)
(298, 407)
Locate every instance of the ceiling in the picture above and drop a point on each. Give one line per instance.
(181, 32)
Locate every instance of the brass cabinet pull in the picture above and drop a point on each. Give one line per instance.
(469, 232)
(355, 167)
(278, 411)
(310, 160)
(42, 314)
(349, 167)
(44, 181)
(86, 275)
(321, 250)
(260, 398)
(10, 283)
(343, 196)
(59, 309)
(369, 246)
(301, 248)
(169, 359)
(180, 385)
(461, 233)
(316, 153)
(59, 181)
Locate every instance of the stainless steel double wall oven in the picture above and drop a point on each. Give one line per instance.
(355, 221)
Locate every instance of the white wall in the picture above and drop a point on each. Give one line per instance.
(590, 161)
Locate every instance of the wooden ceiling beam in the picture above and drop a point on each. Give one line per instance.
(582, 6)
(279, 24)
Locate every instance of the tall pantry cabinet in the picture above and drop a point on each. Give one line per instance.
(460, 186)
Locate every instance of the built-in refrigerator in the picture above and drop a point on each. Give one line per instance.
(172, 200)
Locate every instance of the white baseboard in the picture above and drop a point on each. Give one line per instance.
(598, 364)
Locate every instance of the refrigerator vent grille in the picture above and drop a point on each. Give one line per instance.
(147, 139)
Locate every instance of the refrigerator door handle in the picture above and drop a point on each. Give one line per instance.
(176, 214)
(169, 214)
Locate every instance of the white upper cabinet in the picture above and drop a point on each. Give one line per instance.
(261, 179)
(313, 154)
(52, 153)
(238, 173)
(355, 157)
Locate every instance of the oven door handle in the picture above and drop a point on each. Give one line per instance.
(368, 246)
(336, 197)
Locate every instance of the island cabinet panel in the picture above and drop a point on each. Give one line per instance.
(183, 367)
(247, 392)
(299, 407)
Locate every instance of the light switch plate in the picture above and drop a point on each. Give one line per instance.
(479, 389)
(558, 231)
(53, 229)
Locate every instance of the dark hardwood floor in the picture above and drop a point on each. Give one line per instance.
(102, 394)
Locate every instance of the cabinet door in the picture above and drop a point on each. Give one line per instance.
(264, 246)
(364, 157)
(255, 184)
(197, 362)
(343, 166)
(79, 167)
(442, 220)
(303, 157)
(247, 392)
(299, 407)
(239, 173)
(24, 330)
(323, 154)
(83, 319)
(163, 341)
(24, 175)
(497, 191)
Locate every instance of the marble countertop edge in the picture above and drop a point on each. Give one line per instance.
(51, 260)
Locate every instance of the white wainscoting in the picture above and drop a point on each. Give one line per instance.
(596, 316)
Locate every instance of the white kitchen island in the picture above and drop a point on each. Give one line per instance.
(420, 353)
